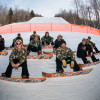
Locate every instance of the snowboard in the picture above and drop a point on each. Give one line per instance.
(23, 80)
(48, 47)
(66, 74)
(3, 53)
(40, 56)
(54, 53)
(89, 64)
(11, 48)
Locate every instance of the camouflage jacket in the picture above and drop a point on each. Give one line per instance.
(20, 55)
(32, 37)
(62, 54)
(35, 43)
(90, 43)
(17, 38)
(47, 39)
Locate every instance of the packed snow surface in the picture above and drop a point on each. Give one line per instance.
(82, 87)
(43, 20)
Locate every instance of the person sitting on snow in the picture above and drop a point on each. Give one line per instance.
(93, 46)
(18, 57)
(58, 42)
(34, 46)
(2, 43)
(64, 56)
(33, 35)
(17, 38)
(83, 50)
(47, 40)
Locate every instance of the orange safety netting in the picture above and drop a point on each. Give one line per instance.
(29, 27)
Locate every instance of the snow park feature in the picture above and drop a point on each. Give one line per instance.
(79, 87)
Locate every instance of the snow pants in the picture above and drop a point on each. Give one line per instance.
(59, 64)
(23, 65)
(33, 49)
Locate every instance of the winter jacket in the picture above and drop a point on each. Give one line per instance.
(58, 43)
(90, 43)
(63, 54)
(32, 37)
(81, 48)
(20, 55)
(47, 40)
(2, 44)
(35, 43)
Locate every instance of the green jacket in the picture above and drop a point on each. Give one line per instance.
(62, 54)
(47, 39)
(33, 36)
(90, 43)
(20, 55)
(35, 43)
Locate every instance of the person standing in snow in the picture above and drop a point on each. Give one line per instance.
(34, 45)
(93, 46)
(2, 43)
(64, 56)
(33, 35)
(58, 42)
(17, 38)
(18, 57)
(47, 40)
(83, 50)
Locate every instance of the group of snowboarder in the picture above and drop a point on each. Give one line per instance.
(64, 55)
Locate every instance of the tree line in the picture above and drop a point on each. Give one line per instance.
(84, 13)
(8, 16)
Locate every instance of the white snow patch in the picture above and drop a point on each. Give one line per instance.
(82, 87)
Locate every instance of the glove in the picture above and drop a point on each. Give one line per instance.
(64, 63)
(72, 64)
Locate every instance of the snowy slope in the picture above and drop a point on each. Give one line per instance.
(43, 20)
(82, 87)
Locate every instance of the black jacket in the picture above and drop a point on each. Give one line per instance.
(81, 48)
(2, 44)
(58, 43)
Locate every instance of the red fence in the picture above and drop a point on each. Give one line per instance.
(29, 27)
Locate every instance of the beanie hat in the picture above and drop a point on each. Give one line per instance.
(83, 39)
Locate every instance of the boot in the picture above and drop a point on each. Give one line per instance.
(24, 76)
(60, 71)
(86, 62)
(94, 59)
(4, 75)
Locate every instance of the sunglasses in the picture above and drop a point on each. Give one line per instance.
(18, 43)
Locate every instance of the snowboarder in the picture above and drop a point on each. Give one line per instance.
(17, 38)
(58, 42)
(83, 50)
(34, 45)
(2, 43)
(64, 56)
(47, 40)
(18, 57)
(33, 35)
(91, 44)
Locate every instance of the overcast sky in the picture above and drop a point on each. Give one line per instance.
(47, 8)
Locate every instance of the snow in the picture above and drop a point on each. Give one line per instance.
(43, 20)
(82, 87)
